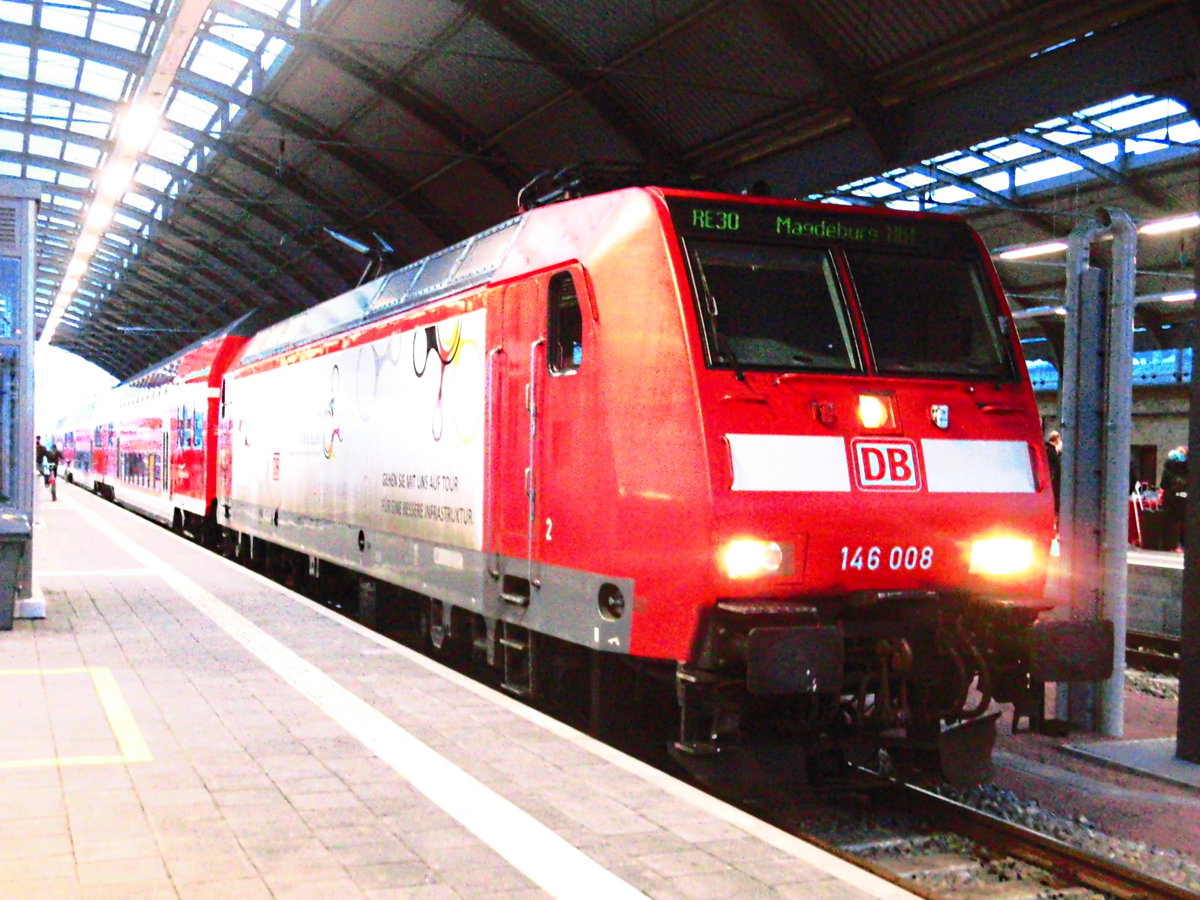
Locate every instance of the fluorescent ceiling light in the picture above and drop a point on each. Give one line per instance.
(1165, 226)
(1034, 250)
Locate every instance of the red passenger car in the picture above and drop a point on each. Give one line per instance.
(150, 443)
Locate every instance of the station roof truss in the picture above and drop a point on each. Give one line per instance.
(305, 144)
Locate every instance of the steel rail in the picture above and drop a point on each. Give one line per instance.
(1150, 652)
(1059, 859)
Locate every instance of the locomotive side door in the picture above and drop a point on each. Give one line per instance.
(514, 375)
(541, 430)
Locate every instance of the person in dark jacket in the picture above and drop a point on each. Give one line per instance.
(1174, 485)
(1054, 456)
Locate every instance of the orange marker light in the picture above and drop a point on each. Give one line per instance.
(875, 411)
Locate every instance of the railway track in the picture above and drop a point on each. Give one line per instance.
(1007, 847)
(1157, 653)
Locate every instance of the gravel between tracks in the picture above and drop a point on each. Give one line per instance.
(849, 826)
(1168, 865)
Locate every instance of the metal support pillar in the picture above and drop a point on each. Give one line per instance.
(1096, 412)
(1187, 741)
(18, 217)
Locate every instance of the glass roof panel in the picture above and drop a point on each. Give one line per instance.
(217, 62)
(1066, 138)
(964, 164)
(20, 11)
(236, 33)
(272, 51)
(998, 182)
(68, 20)
(137, 201)
(1046, 168)
(152, 177)
(1056, 122)
(119, 30)
(1108, 106)
(1184, 133)
(270, 7)
(103, 80)
(44, 146)
(49, 110)
(1010, 151)
(879, 189)
(1103, 153)
(14, 61)
(188, 109)
(91, 120)
(1137, 148)
(81, 155)
(12, 103)
(950, 194)
(170, 147)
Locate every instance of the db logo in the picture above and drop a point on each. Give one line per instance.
(886, 465)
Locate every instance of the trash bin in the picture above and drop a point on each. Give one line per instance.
(15, 535)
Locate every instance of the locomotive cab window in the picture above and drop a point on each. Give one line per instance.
(767, 307)
(929, 316)
(565, 326)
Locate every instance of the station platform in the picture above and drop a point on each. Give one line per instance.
(178, 726)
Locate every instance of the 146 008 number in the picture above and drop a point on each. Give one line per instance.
(897, 558)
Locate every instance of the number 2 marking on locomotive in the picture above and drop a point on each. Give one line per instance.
(549, 528)
(896, 558)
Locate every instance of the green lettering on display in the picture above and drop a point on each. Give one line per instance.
(716, 219)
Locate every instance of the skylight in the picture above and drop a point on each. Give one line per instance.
(1124, 133)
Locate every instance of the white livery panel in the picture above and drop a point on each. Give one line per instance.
(384, 436)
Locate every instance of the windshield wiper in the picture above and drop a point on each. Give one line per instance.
(725, 349)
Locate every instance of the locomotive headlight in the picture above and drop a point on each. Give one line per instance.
(1001, 556)
(876, 411)
(745, 558)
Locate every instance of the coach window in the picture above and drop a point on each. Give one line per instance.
(565, 326)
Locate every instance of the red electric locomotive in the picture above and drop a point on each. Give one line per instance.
(787, 453)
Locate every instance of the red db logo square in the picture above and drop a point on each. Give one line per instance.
(887, 465)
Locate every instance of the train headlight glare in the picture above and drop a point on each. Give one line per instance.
(1001, 556)
(746, 558)
(875, 411)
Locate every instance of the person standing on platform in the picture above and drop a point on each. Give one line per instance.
(40, 452)
(1174, 487)
(1054, 456)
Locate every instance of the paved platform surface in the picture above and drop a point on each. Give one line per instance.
(179, 727)
(1153, 757)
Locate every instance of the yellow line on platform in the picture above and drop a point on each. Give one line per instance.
(116, 710)
(120, 717)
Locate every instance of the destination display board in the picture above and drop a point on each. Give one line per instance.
(755, 221)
